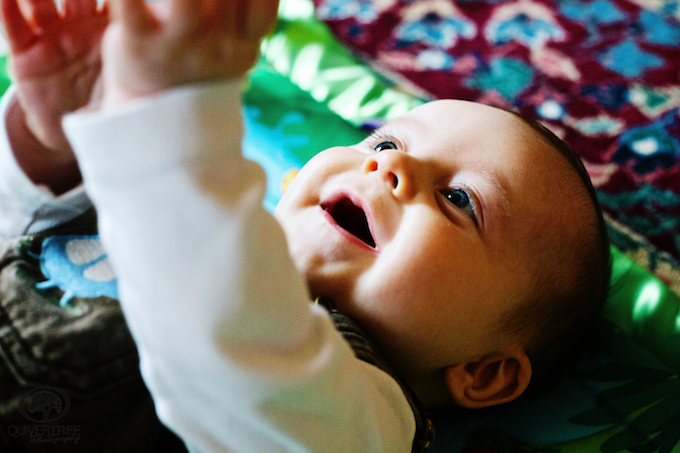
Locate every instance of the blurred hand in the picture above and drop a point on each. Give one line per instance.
(56, 61)
(150, 47)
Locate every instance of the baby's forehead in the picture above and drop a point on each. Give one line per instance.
(454, 120)
(458, 107)
(494, 142)
(486, 140)
(463, 125)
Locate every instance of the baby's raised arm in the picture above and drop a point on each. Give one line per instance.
(151, 47)
(230, 348)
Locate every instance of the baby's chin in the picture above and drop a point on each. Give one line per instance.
(322, 283)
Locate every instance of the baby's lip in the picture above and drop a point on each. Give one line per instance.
(348, 213)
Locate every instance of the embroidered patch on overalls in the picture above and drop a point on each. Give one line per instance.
(79, 266)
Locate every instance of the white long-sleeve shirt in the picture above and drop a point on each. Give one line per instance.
(233, 353)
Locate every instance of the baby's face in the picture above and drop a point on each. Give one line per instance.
(423, 232)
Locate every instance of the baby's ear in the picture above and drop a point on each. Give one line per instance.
(493, 379)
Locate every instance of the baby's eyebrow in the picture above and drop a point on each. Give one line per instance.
(378, 132)
(501, 194)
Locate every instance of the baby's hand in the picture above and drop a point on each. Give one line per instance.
(150, 47)
(55, 59)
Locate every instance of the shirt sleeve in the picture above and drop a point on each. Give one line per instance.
(234, 355)
(27, 208)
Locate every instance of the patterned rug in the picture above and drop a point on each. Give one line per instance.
(602, 74)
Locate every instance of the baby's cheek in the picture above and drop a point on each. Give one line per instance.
(289, 199)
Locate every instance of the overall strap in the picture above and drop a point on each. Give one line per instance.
(365, 350)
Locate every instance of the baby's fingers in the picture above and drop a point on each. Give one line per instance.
(41, 14)
(186, 16)
(260, 18)
(75, 9)
(134, 15)
(19, 33)
(248, 19)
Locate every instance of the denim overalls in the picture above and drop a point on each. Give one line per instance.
(69, 376)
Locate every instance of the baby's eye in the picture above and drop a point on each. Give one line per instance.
(461, 199)
(386, 144)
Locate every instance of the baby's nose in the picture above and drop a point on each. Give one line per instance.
(396, 169)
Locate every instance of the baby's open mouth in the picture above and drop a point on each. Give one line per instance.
(351, 218)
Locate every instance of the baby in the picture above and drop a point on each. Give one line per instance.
(462, 253)
(464, 241)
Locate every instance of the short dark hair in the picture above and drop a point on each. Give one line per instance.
(566, 301)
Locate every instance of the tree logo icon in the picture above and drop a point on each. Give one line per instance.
(44, 404)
